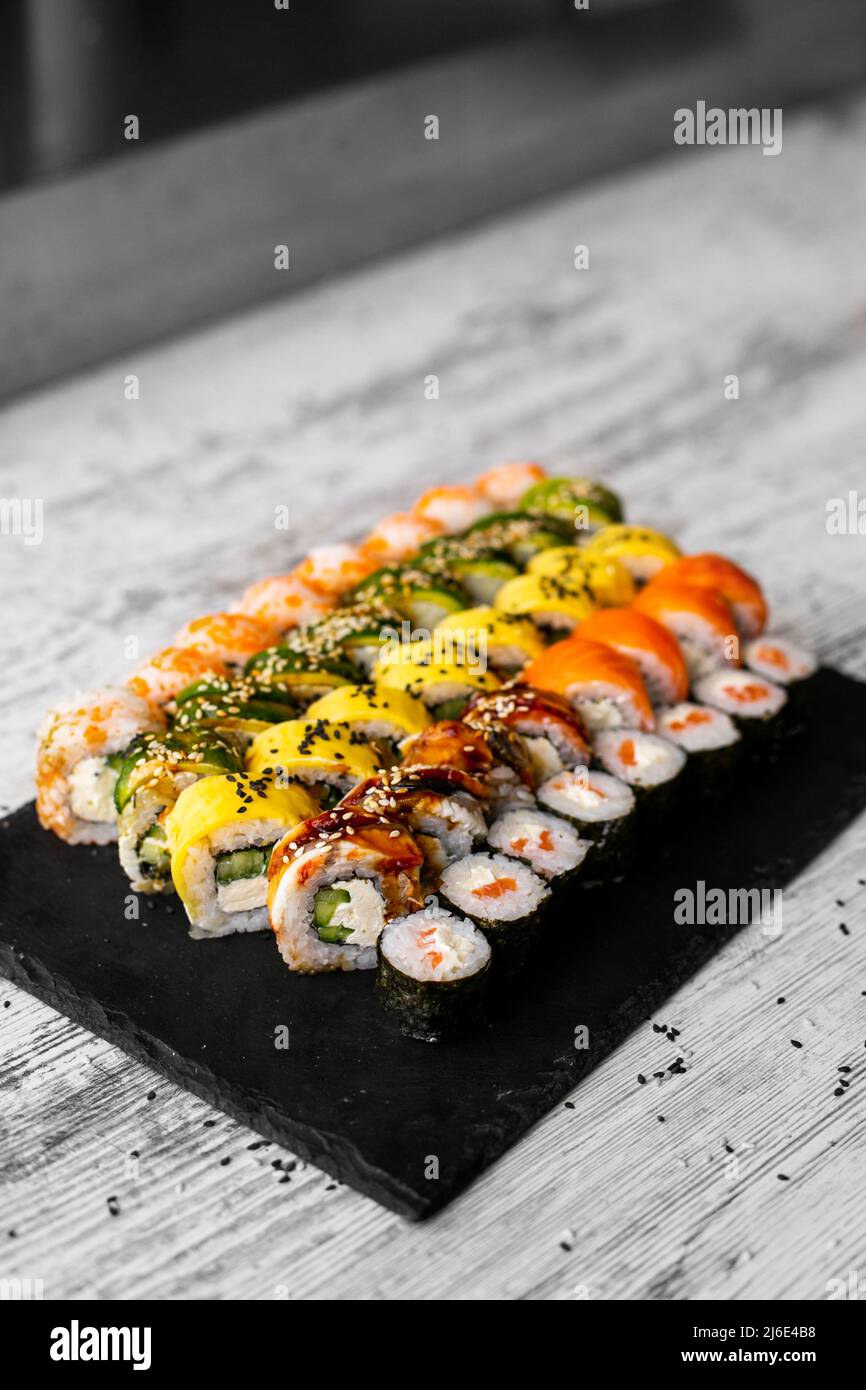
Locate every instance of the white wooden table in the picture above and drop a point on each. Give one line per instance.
(158, 509)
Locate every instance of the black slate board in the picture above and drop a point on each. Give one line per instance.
(350, 1094)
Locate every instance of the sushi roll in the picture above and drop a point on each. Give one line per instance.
(505, 485)
(161, 679)
(283, 602)
(503, 897)
(547, 843)
(480, 573)
(606, 578)
(298, 674)
(442, 806)
(709, 738)
(605, 687)
(235, 709)
(229, 637)
(602, 808)
(783, 662)
(552, 732)
(700, 619)
(416, 594)
(331, 570)
(353, 633)
(493, 754)
(335, 881)
(517, 534)
(555, 606)
(647, 763)
(385, 717)
(80, 751)
(653, 649)
(454, 508)
(155, 770)
(582, 502)
(220, 833)
(327, 759)
(444, 686)
(399, 536)
(433, 973)
(754, 704)
(505, 642)
(642, 550)
(715, 572)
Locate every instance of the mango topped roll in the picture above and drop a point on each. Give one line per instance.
(385, 717)
(507, 640)
(642, 550)
(607, 578)
(443, 685)
(556, 606)
(328, 759)
(220, 834)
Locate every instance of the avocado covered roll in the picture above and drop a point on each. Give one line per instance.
(220, 834)
(328, 759)
(581, 502)
(235, 709)
(156, 768)
(80, 750)
(433, 973)
(334, 883)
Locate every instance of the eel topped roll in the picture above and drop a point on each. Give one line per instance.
(441, 806)
(495, 754)
(502, 896)
(80, 752)
(335, 881)
(328, 759)
(605, 687)
(433, 973)
(220, 834)
(155, 770)
(552, 732)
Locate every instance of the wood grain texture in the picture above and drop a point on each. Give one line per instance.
(701, 266)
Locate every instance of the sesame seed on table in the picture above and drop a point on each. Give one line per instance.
(160, 509)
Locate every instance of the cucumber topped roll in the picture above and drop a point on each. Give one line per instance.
(234, 709)
(80, 752)
(433, 973)
(354, 633)
(299, 675)
(581, 502)
(480, 573)
(220, 834)
(517, 535)
(328, 759)
(415, 593)
(334, 883)
(155, 770)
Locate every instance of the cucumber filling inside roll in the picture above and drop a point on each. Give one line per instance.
(349, 911)
(153, 852)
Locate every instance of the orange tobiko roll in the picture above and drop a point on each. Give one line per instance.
(400, 535)
(654, 650)
(742, 592)
(331, 570)
(504, 486)
(172, 670)
(454, 508)
(605, 687)
(230, 637)
(284, 601)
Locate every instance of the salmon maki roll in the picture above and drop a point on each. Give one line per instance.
(284, 601)
(700, 619)
(605, 687)
(163, 677)
(503, 897)
(78, 761)
(331, 570)
(398, 536)
(504, 485)
(230, 637)
(653, 649)
(742, 592)
(453, 508)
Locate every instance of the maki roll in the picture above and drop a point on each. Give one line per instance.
(721, 575)
(399, 536)
(235, 709)
(453, 508)
(505, 485)
(433, 972)
(552, 732)
(517, 534)
(385, 717)
(283, 602)
(161, 679)
(606, 578)
(301, 675)
(353, 633)
(709, 738)
(229, 637)
(653, 649)
(332, 570)
(602, 809)
(480, 573)
(605, 687)
(556, 606)
(334, 883)
(581, 502)
(505, 642)
(783, 662)
(416, 594)
(327, 759)
(444, 686)
(643, 551)
(220, 833)
(502, 896)
(647, 763)
(754, 704)
(156, 768)
(79, 755)
(442, 806)
(547, 843)
(700, 619)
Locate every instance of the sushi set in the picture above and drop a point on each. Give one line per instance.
(394, 757)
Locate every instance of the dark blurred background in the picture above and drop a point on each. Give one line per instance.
(261, 124)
